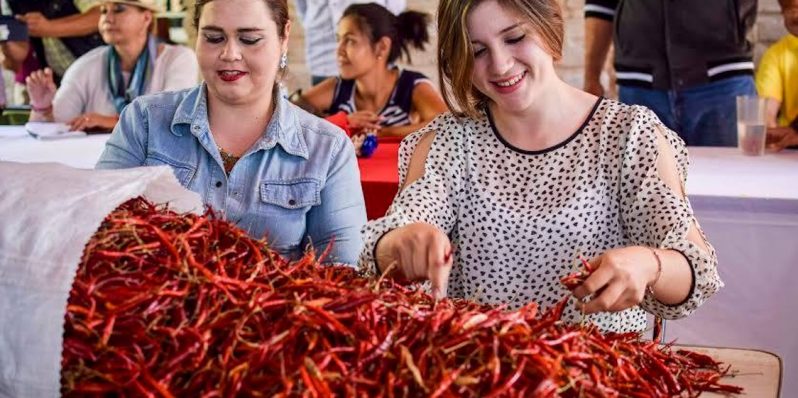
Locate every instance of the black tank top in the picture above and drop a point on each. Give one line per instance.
(396, 112)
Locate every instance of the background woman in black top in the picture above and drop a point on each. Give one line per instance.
(374, 93)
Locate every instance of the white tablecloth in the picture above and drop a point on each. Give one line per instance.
(725, 172)
(748, 207)
(80, 152)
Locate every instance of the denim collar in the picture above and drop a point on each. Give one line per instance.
(284, 127)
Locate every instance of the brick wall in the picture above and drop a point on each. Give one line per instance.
(769, 28)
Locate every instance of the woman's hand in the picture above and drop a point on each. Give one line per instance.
(421, 251)
(781, 137)
(41, 88)
(93, 122)
(38, 24)
(363, 120)
(357, 142)
(619, 280)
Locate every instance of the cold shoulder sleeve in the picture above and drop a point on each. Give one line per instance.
(654, 215)
(433, 197)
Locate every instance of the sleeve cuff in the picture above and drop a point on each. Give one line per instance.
(705, 283)
(600, 9)
(692, 281)
(377, 270)
(372, 232)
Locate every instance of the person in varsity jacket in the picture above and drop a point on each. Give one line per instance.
(686, 60)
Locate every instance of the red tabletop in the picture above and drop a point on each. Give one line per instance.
(379, 178)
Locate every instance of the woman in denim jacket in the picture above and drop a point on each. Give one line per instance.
(273, 169)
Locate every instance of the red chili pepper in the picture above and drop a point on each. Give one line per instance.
(187, 305)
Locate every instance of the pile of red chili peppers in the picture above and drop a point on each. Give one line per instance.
(170, 305)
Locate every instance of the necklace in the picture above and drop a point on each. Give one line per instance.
(229, 160)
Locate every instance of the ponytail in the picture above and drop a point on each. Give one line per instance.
(410, 28)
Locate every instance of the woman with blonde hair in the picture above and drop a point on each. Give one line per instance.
(500, 197)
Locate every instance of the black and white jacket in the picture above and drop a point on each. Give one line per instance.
(678, 44)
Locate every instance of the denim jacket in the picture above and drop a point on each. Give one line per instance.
(299, 184)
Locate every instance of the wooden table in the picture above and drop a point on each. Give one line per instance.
(757, 372)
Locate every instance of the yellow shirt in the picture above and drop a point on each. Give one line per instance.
(777, 77)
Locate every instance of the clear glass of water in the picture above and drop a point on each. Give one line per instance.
(751, 129)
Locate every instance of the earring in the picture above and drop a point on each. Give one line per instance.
(284, 61)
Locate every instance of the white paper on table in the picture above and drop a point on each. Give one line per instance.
(52, 131)
(48, 212)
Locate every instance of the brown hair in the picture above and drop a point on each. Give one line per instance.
(278, 8)
(456, 57)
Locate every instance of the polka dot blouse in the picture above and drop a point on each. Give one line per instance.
(517, 219)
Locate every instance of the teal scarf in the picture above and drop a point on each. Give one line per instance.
(139, 79)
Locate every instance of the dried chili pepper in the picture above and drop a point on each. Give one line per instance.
(187, 305)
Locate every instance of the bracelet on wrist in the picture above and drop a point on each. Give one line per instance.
(650, 286)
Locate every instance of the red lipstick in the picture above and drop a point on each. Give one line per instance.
(230, 75)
